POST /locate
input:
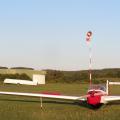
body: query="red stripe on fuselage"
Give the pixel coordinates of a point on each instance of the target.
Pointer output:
(51, 93)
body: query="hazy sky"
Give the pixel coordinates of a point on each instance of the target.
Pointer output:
(50, 34)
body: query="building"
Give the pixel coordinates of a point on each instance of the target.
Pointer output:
(37, 76)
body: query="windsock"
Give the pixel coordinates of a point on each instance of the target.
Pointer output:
(88, 36)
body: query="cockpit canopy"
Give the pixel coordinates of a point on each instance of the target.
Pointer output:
(97, 87)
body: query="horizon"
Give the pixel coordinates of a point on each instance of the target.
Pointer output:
(5, 67)
(52, 34)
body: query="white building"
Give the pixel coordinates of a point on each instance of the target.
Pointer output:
(37, 79)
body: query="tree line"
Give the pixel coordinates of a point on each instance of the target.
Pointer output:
(98, 76)
(54, 76)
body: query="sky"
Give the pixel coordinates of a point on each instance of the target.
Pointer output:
(50, 34)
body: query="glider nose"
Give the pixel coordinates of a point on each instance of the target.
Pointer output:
(93, 99)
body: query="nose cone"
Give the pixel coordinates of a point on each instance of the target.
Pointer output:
(94, 100)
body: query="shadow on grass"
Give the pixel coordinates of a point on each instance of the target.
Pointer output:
(114, 103)
(81, 104)
(85, 104)
(36, 101)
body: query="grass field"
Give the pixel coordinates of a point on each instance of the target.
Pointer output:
(28, 108)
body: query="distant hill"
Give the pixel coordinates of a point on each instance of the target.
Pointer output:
(1, 67)
(22, 76)
(22, 68)
(98, 76)
(28, 72)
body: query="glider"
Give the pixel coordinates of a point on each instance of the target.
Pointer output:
(96, 95)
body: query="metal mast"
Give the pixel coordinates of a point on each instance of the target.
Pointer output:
(88, 39)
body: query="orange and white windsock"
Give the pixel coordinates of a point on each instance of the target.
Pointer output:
(88, 36)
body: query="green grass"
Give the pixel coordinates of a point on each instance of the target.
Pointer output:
(28, 108)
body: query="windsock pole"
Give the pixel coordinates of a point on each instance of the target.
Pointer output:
(88, 38)
(90, 64)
